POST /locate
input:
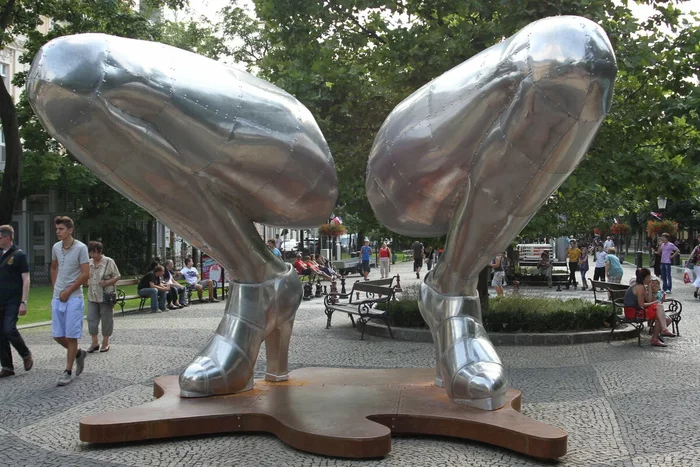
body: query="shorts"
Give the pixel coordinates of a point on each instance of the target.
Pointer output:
(365, 265)
(417, 263)
(499, 279)
(67, 317)
(647, 313)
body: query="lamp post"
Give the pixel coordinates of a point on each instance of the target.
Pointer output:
(661, 202)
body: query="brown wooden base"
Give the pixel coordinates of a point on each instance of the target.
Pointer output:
(330, 411)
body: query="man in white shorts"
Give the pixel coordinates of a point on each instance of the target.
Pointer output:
(70, 269)
(191, 275)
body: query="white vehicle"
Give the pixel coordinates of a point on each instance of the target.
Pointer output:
(289, 245)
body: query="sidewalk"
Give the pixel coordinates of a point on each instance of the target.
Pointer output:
(603, 395)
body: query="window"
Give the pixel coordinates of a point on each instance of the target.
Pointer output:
(5, 74)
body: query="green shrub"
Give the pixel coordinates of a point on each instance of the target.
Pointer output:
(518, 314)
(535, 314)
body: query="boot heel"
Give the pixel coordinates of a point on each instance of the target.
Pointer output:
(277, 352)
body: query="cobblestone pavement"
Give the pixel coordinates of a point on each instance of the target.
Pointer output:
(621, 405)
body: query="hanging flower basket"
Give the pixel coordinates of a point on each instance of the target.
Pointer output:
(620, 229)
(658, 227)
(332, 230)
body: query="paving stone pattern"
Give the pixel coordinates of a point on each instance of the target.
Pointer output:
(621, 405)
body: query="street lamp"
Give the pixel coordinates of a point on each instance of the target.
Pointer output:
(661, 201)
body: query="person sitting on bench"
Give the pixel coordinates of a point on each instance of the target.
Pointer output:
(314, 267)
(545, 267)
(325, 268)
(639, 303)
(150, 286)
(191, 275)
(176, 290)
(301, 267)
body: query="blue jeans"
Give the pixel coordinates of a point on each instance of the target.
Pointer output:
(666, 276)
(157, 297)
(10, 335)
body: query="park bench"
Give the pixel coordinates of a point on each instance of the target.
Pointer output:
(122, 297)
(361, 302)
(601, 291)
(673, 309)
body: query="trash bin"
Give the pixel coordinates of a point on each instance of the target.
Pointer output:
(639, 259)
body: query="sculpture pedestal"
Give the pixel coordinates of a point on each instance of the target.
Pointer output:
(330, 411)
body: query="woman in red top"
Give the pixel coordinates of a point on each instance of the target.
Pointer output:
(384, 261)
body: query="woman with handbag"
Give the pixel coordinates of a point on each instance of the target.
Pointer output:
(102, 296)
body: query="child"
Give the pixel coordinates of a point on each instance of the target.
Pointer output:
(660, 296)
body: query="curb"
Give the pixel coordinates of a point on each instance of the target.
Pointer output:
(502, 338)
(48, 323)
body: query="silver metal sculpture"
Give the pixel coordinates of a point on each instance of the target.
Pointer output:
(474, 154)
(208, 150)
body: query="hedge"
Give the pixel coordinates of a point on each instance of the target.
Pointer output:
(519, 314)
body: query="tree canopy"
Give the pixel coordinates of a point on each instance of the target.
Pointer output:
(352, 61)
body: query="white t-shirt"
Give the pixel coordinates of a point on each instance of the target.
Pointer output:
(608, 244)
(600, 259)
(190, 275)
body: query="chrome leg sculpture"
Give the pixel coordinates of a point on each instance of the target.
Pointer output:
(208, 150)
(473, 154)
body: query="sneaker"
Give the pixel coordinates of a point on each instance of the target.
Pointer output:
(668, 292)
(65, 379)
(213, 300)
(28, 362)
(5, 373)
(80, 362)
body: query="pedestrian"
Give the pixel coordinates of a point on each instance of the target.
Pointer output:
(384, 260)
(418, 252)
(150, 286)
(366, 253)
(274, 249)
(102, 296)
(599, 271)
(429, 257)
(613, 268)
(694, 263)
(583, 267)
(573, 253)
(177, 291)
(609, 243)
(70, 269)
(14, 293)
(278, 242)
(667, 250)
(499, 275)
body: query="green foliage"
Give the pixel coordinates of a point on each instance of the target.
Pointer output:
(526, 314)
(519, 314)
(352, 61)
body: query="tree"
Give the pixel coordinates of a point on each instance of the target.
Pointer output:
(352, 61)
(20, 18)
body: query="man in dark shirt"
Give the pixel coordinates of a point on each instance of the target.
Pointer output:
(14, 291)
(417, 248)
(150, 287)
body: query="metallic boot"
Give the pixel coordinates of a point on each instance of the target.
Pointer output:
(467, 365)
(254, 313)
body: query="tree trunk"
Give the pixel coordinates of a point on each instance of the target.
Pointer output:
(149, 241)
(483, 289)
(9, 194)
